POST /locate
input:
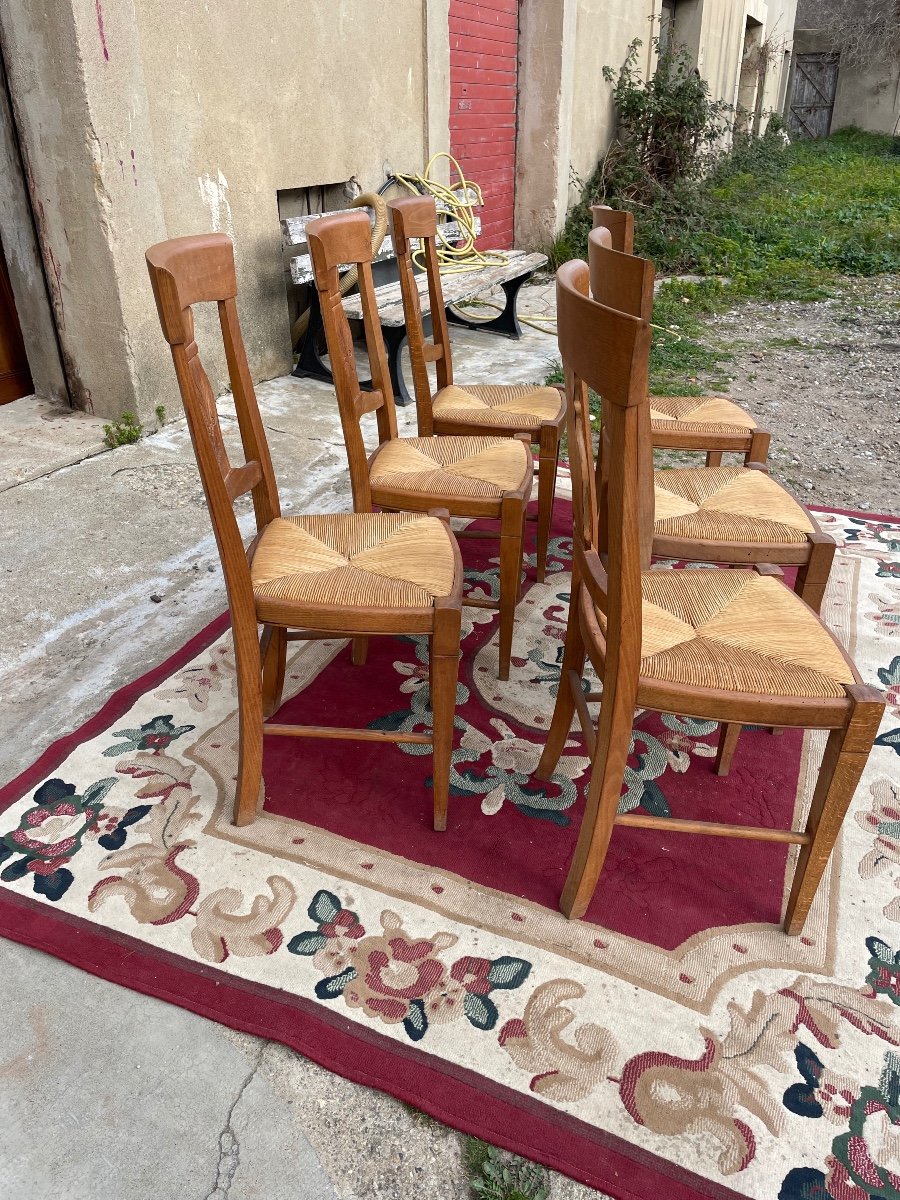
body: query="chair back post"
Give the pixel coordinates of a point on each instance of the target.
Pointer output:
(345, 239)
(608, 351)
(619, 223)
(416, 217)
(194, 270)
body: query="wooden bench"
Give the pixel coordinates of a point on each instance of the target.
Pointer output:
(517, 268)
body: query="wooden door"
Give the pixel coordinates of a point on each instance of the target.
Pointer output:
(812, 97)
(15, 376)
(484, 65)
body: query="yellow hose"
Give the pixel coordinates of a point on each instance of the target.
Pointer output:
(459, 201)
(366, 200)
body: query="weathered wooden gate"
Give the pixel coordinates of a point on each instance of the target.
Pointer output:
(812, 98)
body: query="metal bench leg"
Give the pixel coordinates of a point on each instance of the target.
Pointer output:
(507, 323)
(310, 363)
(394, 341)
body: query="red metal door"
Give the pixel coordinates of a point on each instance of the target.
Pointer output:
(484, 50)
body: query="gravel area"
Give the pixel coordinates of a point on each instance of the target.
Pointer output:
(825, 379)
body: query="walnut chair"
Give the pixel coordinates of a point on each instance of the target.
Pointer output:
(734, 646)
(500, 409)
(708, 423)
(714, 514)
(487, 477)
(305, 577)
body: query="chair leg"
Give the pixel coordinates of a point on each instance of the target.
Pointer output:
(511, 546)
(812, 577)
(548, 462)
(759, 447)
(273, 668)
(443, 671)
(564, 709)
(250, 735)
(601, 805)
(846, 754)
(714, 458)
(728, 740)
(359, 651)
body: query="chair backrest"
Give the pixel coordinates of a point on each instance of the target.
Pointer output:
(416, 217)
(619, 223)
(620, 280)
(608, 351)
(346, 239)
(195, 270)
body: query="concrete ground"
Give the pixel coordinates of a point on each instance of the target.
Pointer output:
(108, 565)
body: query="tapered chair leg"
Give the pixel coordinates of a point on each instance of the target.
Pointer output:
(714, 458)
(564, 709)
(443, 669)
(273, 667)
(812, 577)
(728, 740)
(548, 463)
(601, 806)
(511, 545)
(359, 651)
(250, 738)
(846, 754)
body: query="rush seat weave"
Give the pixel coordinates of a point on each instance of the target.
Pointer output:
(516, 406)
(736, 631)
(352, 560)
(477, 467)
(727, 504)
(699, 414)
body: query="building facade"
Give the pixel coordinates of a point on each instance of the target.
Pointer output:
(124, 122)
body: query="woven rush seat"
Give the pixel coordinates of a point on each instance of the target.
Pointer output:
(727, 504)
(515, 406)
(736, 631)
(352, 560)
(699, 414)
(474, 467)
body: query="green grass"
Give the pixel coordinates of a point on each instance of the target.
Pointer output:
(770, 222)
(494, 1175)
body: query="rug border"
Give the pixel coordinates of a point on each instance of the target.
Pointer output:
(454, 1095)
(852, 512)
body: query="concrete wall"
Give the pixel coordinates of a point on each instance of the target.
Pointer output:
(157, 118)
(867, 96)
(566, 116)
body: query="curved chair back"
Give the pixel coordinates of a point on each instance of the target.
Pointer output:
(619, 223)
(415, 218)
(608, 351)
(195, 270)
(620, 280)
(346, 239)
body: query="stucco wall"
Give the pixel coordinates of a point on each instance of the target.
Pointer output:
(867, 96)
(159, 118)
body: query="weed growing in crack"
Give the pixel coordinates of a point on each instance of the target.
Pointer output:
(122, 432)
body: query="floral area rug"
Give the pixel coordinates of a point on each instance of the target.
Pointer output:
(675, 1043)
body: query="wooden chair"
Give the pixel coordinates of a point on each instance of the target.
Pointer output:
(733, 646)
(714, 514)
(709, 423)
(488, 477)
(340, 575)
(504, 410)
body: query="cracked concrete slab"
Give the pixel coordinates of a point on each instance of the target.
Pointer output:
(107, 1093)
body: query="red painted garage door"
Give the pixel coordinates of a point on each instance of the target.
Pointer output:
(484, 43)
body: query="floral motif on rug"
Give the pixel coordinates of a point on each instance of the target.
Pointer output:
(676, 1023)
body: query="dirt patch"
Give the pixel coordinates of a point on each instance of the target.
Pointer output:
(824, 377)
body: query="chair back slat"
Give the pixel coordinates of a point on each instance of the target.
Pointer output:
(620, 280)
(333, 242)
(619, 223)
(416, 217)
(608, 351)
(200, 270)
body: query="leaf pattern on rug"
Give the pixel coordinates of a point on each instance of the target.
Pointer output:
(220, 929)
(677, 1096)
